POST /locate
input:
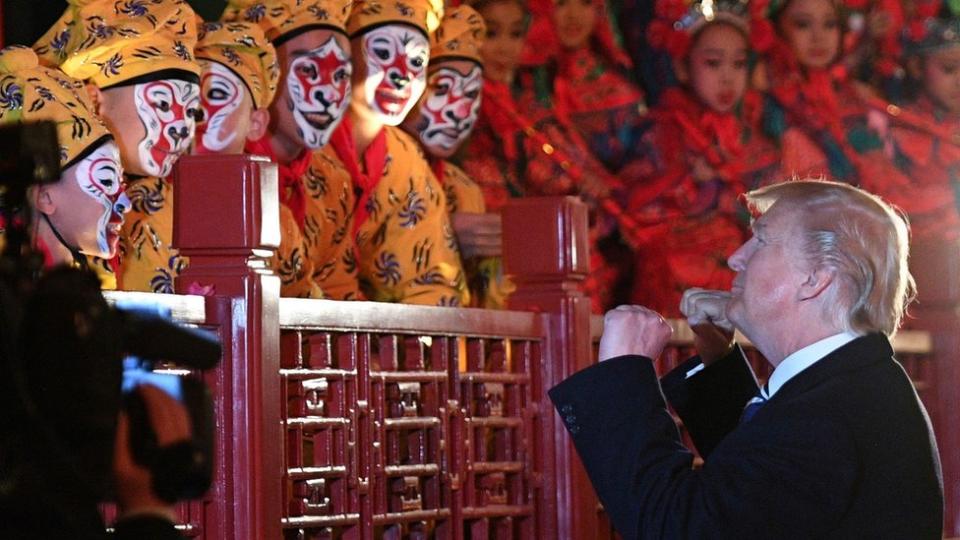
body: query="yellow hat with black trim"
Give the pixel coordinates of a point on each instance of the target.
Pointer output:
(459, 37)
(242, 48)
(113, 42)
(424, 15)
(30, 92)
(282, 20)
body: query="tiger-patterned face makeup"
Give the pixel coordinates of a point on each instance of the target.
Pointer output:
(450, 106)
(222, 95)
(318, 85)
(396, 59)
(100, 177)
(168, 110)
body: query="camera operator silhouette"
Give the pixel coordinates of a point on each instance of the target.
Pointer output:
(64, 442)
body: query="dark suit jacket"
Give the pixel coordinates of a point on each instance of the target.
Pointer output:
(842, 450)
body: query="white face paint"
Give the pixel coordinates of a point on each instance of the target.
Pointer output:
(318, 83)
(100, 176)
(450, 109)
(396, 58)
(221, 93)
(168, 110)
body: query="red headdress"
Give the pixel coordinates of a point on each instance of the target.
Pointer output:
(543, 44)
(677, 21)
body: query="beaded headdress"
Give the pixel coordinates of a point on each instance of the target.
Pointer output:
(677, 21)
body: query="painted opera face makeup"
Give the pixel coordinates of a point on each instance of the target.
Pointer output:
(450, 107)
(318, 84)
(221, 95)
(396, 58)
(168, 110)
(100, 177)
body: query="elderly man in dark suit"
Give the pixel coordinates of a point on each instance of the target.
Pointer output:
(835, 445)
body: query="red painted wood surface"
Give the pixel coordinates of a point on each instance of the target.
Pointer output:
(936, 267)
(226, 220)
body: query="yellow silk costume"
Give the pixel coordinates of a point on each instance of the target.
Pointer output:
(147, 260)
(406, 250)
(112, 44)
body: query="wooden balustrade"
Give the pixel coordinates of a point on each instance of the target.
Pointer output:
(366, 420)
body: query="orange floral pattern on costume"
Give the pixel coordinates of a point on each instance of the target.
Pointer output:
(148, 261)
(404, 251)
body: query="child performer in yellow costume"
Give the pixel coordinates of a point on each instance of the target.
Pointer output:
(407, 249)
(316, 256)
(442, 122)
(81, 214)
(138, 60)
(237, 83)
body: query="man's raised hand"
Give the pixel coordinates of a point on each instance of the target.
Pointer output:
(633, 330)
(706, 313)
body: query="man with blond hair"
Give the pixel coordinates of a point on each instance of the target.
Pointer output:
(836, 444)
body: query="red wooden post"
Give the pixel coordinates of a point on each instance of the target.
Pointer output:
(545, 253)
(226, 221)
(936, 267)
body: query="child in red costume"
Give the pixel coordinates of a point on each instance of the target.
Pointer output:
(521, 149)
(704, 149)
(582, 75)
(922, 139)
(811, 107)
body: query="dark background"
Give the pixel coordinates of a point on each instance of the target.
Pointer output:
(24, 21)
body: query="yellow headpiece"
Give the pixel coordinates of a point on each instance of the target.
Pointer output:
(281, 20)
(242, 48)
(30, 92)
(111, 42)
(459, 37)
(368, 14)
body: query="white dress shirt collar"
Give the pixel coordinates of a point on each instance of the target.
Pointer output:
(802, 359)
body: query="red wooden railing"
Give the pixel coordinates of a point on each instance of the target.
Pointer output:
(367, 420)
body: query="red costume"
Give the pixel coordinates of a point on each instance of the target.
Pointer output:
(699, 162)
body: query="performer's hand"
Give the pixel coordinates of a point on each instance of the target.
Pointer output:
(706, 313)
(633, 330)
(479, 235)
(171, 423)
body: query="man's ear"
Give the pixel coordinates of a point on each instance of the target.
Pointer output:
(96, 96)
(43, 200)
(818, 281)
(259, 121)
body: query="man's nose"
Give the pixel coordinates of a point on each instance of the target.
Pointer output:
(738, 260)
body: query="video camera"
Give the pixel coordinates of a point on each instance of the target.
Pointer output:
(64, 352)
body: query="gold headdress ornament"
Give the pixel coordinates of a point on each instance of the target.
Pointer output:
(459, 37)
(111, 42)
(424, 15)
(677, 21)
(282, 20)
(30, 92)
(242, 48)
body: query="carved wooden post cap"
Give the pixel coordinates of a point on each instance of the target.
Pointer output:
(226, 203)
(545, 239)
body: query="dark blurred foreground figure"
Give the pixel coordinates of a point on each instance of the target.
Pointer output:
(64, 445)
(835, 445)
